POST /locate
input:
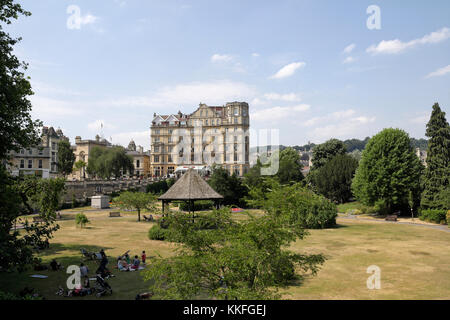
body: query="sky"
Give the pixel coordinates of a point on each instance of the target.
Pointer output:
(313, 70)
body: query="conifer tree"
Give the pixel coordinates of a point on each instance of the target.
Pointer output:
(437, 173)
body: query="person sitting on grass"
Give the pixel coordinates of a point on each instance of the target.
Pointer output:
(122, 265)
(84, 270)
(55, 266)
(136, 263)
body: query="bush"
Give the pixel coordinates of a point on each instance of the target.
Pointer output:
(157, 233)
(354, 211)
(448, 218)
(81, 219)
(300, 205)
(198, 205)
(434, 215)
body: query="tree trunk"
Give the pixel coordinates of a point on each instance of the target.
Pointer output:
(139, 214)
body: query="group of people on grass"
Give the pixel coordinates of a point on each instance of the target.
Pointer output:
(124, 262)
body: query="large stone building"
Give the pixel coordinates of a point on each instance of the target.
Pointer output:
(141, 160)
(41, 160)
(81, 149)
(210, 135)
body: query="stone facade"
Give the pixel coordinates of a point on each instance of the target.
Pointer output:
(141, 160)
(81, 149)
(210, 135)
(41, 160)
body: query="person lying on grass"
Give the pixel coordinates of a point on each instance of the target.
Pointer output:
(122, 265)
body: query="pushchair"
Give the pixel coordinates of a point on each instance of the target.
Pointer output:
(102, 287)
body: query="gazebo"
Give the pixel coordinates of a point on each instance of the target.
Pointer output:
(190, 187)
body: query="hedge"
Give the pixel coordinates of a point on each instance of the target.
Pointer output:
(433, 215)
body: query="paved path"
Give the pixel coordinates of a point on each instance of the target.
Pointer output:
(439, 227)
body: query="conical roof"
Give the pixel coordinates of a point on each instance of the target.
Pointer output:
(190, 187)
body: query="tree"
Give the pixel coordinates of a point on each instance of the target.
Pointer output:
(80, 165)
(437, 172)
(238, 260)
(229, 186)
(388, 171)
(17, 129)
(66, 158)
(135, 200)
(108, 162)
(324, 152)
(334, 179)
(290, 168)
(81, 219)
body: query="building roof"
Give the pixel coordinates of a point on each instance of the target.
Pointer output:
(190, 187)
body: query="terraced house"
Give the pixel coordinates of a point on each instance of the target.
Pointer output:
(210, 135)
(40, 160)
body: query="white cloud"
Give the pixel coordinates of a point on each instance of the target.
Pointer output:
(188, 94)
(423, 118)
(255, 54)
(290, 97)
(439, 72)
(349, 59)
(221, 57)
(336, 116)
(288, 70)
(48, 109)
(396, 46)
(278, 113)
(348, 49)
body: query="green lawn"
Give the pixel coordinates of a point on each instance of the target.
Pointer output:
(414, 260)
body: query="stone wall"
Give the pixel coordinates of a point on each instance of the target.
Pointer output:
(86, 189)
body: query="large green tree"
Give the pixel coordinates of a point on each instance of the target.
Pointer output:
(66, 158)
(334, 179)
(17, 130)
(109, 162)
(388, 171)
(135, 200)
(437, 172)
(229, 186)
(324, 152)
(290, 168)
(238, 260)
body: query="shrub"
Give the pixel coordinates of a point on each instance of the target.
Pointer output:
(198, 205)
(300, 205)
(433, 215)
(81, 219)
(448, 218)
(354, 211)
(157, 233)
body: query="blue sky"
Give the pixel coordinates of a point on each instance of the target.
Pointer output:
(311, 69)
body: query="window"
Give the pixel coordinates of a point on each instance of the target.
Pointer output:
(22, 151)
(244, 112)
(236, 111)
(235, 120)
(170, 170)
(54, 156)
(169, 158)
(138, 163)
(236, 170)
(170, 131)
(30, 164)
(40, 164)
(157, 131)
(30, 151)
(22, 163)
(53, 145)
(156, 149)
(156, 158)
(170, 139)
(41, 152)
(206, 122)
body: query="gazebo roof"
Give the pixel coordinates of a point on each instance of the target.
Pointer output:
(190, 187)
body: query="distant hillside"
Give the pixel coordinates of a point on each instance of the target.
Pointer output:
(351, 144)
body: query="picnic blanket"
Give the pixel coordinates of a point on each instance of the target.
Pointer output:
(39, 276)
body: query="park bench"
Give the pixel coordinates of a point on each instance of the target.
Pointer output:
(392, 217)
(114, 214)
